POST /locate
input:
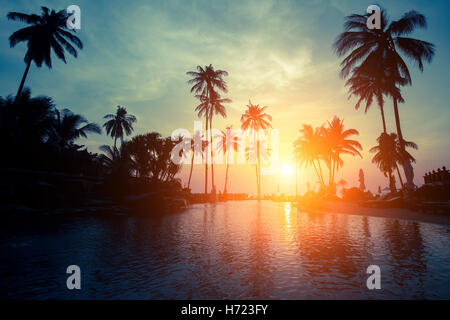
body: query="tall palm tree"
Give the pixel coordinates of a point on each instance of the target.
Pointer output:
(121, 122)
(204, 80)
(198, 149)
(216, 107)
(337, 138)
(46, 32)
(67, 127)
(230, 140)
(255, 119)
(379, 50)
(368, 87)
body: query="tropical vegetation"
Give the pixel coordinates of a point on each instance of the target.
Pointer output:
(376, 64)
(325, 145)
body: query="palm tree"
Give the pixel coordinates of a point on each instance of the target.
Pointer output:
(66, 128)
(368, 87)
(117, 162)
(378, 51)
(337, 139)
(119, 123)
(384, 156)
(402, 155)
(139, 155)
(229, 140)
(216, 107)
(204, 80)
(150, 156)
(255, 119)
(309, 148)
(44, 33)
(24, 127)
(388, 153)
(26, 120)
(196, 149)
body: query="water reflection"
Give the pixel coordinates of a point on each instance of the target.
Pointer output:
(230, 250)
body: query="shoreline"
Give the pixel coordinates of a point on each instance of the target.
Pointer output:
(394, 213)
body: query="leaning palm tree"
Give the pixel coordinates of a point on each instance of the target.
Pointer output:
(46, 32)
(119, 124)
(255, 119)
(402, 155)
(378, 51)
(67, 127)
(204, 80)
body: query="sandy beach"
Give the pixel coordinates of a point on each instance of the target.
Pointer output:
(395, 213)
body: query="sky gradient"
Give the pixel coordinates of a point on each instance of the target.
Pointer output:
(278, 54)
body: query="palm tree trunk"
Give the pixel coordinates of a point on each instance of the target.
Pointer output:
(212, 151)
(19, 92)
(318, 175)
(392, 182)
(115, 141)
(206, 158)
(190, 173)
(406, 163)
(334, 169)
(321, 175)
(397, 124)
(399, 175)
(329, 174)
(259, 177)
(226, 173)
(257, 180)
(382, 118)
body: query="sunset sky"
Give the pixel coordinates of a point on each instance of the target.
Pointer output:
(278, 54)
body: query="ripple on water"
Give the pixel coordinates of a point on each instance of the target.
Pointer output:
(233, 250)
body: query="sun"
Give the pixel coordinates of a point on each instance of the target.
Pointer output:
(287, 170)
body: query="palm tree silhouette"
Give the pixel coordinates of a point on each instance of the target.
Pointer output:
(229, 140)
(26, 120)
(197, 149)
(255, 119)
(204, 81)
(117, 162)
(378, 52)
(66, 128)
(25, 127)
(150, 156)
(121, 122)
(368, 87)
(326, 143)
(217, 107)
(309, 147)
(388, 153)
(46, 32)
(337, 140)
(139, 155)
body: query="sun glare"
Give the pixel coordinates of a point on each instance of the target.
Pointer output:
(286, 170)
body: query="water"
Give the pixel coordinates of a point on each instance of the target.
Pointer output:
(234, 250)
